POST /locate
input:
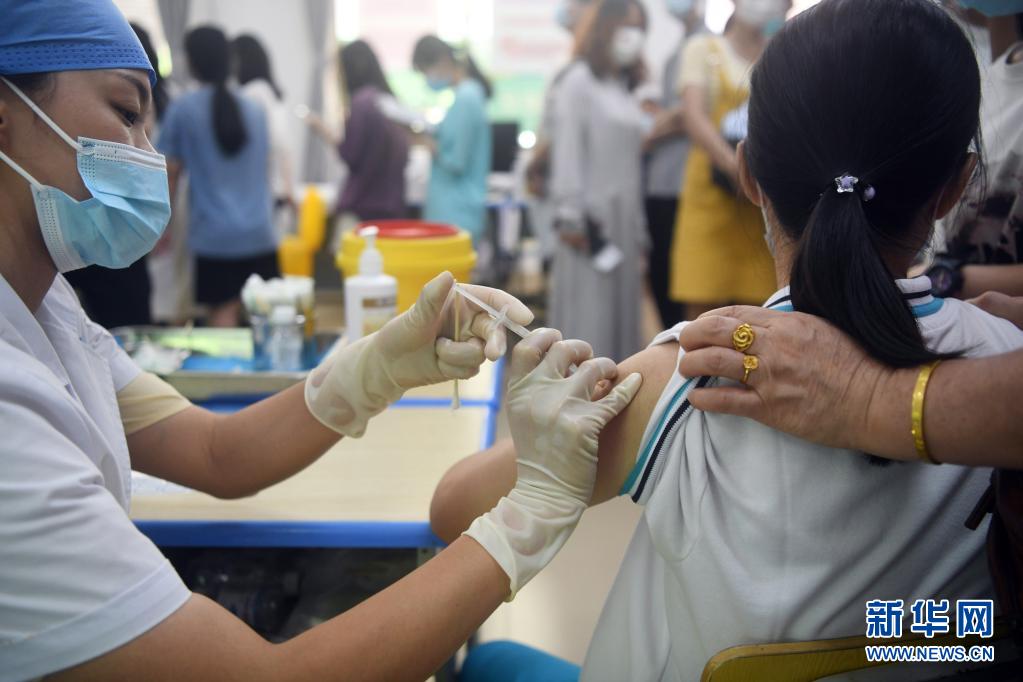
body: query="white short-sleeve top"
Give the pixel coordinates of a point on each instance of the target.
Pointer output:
(77, 579)
(752, 536)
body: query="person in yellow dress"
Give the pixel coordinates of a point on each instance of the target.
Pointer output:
(719, 255)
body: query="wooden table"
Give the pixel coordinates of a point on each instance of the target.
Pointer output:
(369, 492)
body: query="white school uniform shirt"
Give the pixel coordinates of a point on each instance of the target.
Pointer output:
(751, 536)
(77, 579)
(276, 113)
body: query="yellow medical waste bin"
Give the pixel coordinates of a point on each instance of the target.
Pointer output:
(414, 253)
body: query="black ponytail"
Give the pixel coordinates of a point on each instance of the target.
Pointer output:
(209, 56)
(475, 73)
(228, 125)
(887, 91)
(839, 273)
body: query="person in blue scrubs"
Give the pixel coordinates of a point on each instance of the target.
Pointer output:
(461, 146)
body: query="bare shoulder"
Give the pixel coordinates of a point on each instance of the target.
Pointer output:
(622, 438)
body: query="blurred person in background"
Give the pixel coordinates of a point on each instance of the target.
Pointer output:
(375, 149)
(596, 183)
(461, 146)
(719, 254)
(667, 149)
(221, 140)
(255, 78)
(169, 263)
(541, 214)
(120, 297)
(983, 246)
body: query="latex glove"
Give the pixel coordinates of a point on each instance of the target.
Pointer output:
(360, 380)
(555, 426)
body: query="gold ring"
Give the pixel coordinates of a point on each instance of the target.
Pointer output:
(743, 337)
(749, 363)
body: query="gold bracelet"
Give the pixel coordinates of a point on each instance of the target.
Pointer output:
(918, 412)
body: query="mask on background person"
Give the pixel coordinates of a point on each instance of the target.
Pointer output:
(627, 45)
(565, 16)
(438, 83)
(768, 235)
(773, 26)
(994, 8)
(128, 211)
(679, 8)
(761, 13)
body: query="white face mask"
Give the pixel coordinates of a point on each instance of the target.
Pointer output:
(760, 12)
(627, 45)
(768, 235)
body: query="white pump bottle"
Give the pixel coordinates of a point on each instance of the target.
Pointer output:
(371, 297)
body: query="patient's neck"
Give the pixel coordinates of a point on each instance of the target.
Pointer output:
(784, 253)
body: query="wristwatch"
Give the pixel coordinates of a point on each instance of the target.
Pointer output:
(946, 275)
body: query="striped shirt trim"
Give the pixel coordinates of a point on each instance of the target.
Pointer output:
(921, 303)
(637, 485)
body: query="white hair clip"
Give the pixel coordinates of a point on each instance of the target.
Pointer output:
(846, 184)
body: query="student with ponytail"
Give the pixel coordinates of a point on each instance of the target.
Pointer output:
(862, 118)
(221, 140)
(457, 193)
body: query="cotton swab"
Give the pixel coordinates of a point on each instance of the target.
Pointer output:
(456, 401)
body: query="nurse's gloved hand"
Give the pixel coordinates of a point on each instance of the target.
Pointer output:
(555, 426)
(416, 348)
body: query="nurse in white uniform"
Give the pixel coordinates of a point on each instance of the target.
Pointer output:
(83, 594)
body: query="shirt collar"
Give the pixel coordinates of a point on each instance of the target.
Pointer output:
(22, 329)
(916, 292)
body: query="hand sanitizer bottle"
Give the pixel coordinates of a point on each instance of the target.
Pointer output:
(371, 297)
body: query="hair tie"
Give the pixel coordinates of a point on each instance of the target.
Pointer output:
(847, 184)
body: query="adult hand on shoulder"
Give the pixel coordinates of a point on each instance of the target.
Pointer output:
(555, 422)
(813, 381)
(416, 348)
(1000, 305)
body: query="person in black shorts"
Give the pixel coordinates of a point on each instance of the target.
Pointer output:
(222, 141)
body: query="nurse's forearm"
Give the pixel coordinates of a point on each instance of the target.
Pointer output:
(972, 413)
(267, 442)
(405, 632)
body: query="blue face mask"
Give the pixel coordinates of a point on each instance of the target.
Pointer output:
(680, 8)
(563, 15)
(437, 84)
(994, 8)
(773, 26)
(128, 211)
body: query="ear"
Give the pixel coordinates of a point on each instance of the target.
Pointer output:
(746, 180)
(953, 190)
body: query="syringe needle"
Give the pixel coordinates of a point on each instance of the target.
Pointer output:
(513, 327)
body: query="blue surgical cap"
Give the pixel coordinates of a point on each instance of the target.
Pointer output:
(42, 36)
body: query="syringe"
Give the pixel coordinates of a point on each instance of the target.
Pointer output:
(500, 315)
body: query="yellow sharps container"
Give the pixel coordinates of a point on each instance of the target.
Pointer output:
(414, 253)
